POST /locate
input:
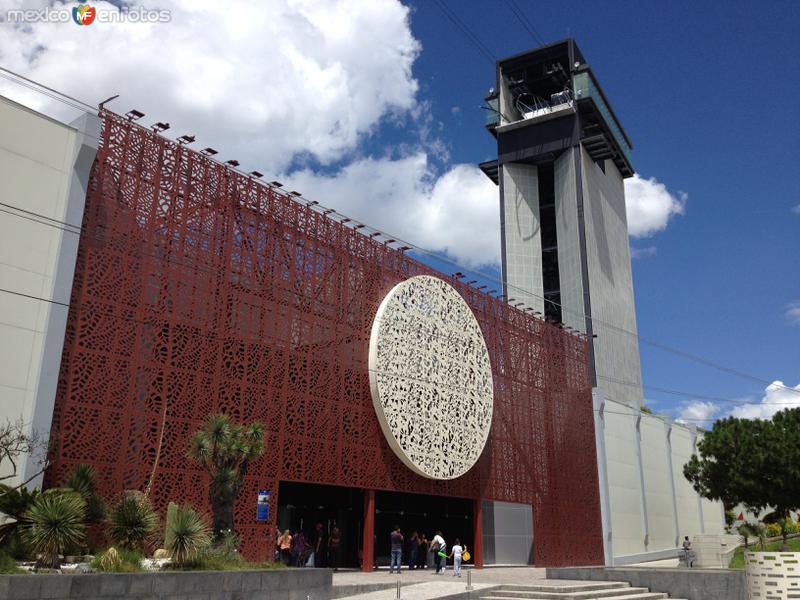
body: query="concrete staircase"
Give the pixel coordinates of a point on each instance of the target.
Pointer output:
(606, 590)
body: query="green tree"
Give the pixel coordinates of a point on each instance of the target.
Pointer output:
(225, 450)
(751, 462)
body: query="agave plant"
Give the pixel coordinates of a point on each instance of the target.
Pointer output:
(132, 521)
(186, 534)
(55, 525)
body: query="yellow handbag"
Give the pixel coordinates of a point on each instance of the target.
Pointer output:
(466, 555)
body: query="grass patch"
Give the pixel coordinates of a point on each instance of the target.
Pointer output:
(8, 565)
(737, 561)
(211, 561)
(126, 561)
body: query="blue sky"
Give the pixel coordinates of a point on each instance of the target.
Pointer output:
(707, 94)
(372, 108)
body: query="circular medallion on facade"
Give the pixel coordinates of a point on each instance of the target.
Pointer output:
(431, 378)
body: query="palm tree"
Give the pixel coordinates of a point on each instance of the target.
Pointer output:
(225, 450)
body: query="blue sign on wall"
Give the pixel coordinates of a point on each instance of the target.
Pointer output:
(262, 510)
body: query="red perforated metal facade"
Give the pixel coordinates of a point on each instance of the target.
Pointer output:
(199, 289)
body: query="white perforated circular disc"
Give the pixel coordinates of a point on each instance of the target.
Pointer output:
(431, 378)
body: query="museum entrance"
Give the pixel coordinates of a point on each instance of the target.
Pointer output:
(423, 514)
(301, 506)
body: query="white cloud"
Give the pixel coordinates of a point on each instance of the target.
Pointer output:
(776, 398)
(260, 82)
(698, 412)
(650, 205)
(793, 313)
(456, 212)
(643, 252)
(796, 209)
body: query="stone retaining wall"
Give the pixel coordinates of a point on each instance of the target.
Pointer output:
(692, 584)
(289, 584)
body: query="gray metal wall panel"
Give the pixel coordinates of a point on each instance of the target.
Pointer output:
(523, 243)
(611, 283)
(507, 533)
(569, 252)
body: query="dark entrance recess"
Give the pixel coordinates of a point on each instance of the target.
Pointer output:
(420, 513)
(303, 505)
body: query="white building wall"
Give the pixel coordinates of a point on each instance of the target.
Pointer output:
(44, 167)
(646, 520)
(657, 484)
(624, 486)
(610, 282)
(523, 236)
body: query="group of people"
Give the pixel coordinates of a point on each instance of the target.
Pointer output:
(419, 549)
(318, 550)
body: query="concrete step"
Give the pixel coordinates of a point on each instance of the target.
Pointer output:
(558, 593)
(548, 596)
(574, 586)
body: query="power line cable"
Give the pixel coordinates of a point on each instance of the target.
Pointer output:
(492, 278)
(261, 337)
(459, 23)
(523, 19)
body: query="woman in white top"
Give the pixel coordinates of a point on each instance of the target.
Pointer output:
(438, 545)
(455, 553)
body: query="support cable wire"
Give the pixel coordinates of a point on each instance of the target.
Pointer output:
(456, 20)
(81, 230)
(523, 19)
(377, 371)
(489, 277)
(262, 336)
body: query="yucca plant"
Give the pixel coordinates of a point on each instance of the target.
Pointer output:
(132, 521)
(186, 534)
(225, 450)
(14, 503)
(81, 481)
(55, 525)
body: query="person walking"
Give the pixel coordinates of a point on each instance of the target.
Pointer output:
(285, 545)
(412, 555)
(396, 542)
(298, 547)
(456, 552)
(422, 551)
(320, 548)
(439, 548)
(334, 545)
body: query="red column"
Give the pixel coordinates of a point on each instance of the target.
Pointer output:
(477, 528)
(368, 544)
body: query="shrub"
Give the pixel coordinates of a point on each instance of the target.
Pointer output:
(773, 530)
(8, 564)
(55, 525)
(118, 561)
(132, 521)
(186, 534)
